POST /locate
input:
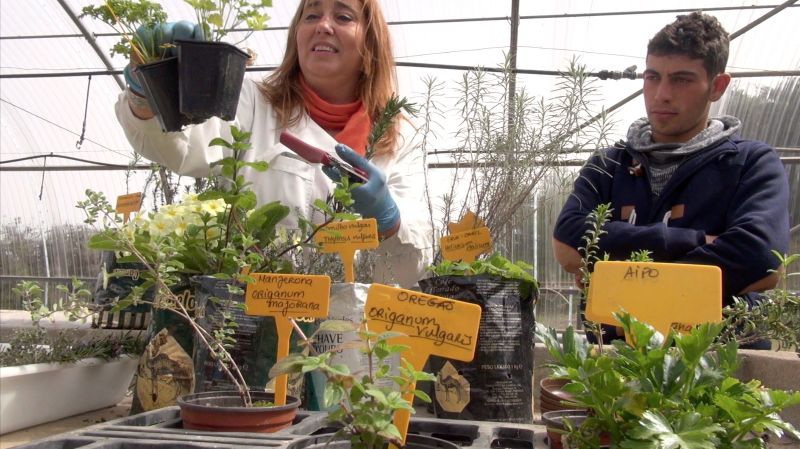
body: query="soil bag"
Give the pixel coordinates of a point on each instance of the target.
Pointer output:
(256, 338)
(496, 384)
(115, 282)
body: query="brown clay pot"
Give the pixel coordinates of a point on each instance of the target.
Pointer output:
(554, 422)
(223, 411)
(554, 388)
(552, 395)
(549, 405)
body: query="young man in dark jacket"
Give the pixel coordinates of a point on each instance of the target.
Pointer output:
(685, 186)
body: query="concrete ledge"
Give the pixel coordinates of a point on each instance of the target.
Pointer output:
(776, 370)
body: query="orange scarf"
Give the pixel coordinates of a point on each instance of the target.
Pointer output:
(350, 121)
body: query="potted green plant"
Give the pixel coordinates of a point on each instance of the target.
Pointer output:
(657, 391)
(146, 42)
(211, 72)
(508, 142)
(126, 17)
(48, 376)
(361, 404)
(220, 234)
(776, 317)
(495, 385)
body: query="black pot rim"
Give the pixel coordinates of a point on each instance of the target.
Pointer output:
(187, 401)
(410, 438)
(196, 43)
(155, 63)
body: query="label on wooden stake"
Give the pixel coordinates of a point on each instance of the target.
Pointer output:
(351, 235)
(288, 295)
(434, 325)
(467, 245)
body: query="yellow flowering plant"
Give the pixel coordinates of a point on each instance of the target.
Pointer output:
(218, 232)
(221, 232)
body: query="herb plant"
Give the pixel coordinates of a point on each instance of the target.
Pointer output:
(364, 402)
(673, 392)
(495, 265)
(125, 17)
(394, 106)
(36, 345)
(221, 232)
(775, 317)
(219, 17)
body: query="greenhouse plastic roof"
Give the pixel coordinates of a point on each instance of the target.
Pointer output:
(44, 59)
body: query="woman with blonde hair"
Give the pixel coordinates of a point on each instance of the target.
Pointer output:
(336, 76)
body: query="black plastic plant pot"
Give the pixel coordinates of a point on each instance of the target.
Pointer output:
(160, 82)
(329, 441)
(211, 76)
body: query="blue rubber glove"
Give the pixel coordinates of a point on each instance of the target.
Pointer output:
(154, 38)
(371, 200)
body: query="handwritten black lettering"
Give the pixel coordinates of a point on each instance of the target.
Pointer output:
(638, 272)
(281, 281)
(442, 336)
(681, 327)
(394, 318)
(423, 300)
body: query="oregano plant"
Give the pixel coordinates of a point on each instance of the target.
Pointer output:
(362, 404)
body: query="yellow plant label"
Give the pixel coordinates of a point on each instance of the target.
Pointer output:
(345, 237)
(468, 222)
(664, 295)
(466, 245)
(352, 235)
(433, 325)
(126, 204)
(288, 295)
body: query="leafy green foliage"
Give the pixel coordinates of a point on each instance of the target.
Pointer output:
(495, 265)
(125, 17)
(673, 392)
(218, 17)
(589, 253)
(394, 106)
(340, 205)
(641, 256)
(220, 232)
(36, 345)
(74, 304)
(776, 317)
(365, 403)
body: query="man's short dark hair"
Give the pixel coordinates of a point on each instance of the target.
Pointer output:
(698, 36)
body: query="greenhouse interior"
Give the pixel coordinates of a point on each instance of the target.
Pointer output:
(407, 223)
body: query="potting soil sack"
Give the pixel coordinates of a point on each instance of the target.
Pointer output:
(165, 326)
(165, 373)
(115, 282)
(256, 339)
(346, 304)
(496, 384)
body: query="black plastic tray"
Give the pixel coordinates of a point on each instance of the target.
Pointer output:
(161, 429)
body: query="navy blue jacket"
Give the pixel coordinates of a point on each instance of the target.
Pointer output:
(737, 190)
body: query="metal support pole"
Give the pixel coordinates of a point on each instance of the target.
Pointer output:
(512, 64)
(733, 36)
(91, 40)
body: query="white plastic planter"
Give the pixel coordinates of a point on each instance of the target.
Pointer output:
(44, 392)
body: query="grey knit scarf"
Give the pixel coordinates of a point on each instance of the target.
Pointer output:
(662, 159)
